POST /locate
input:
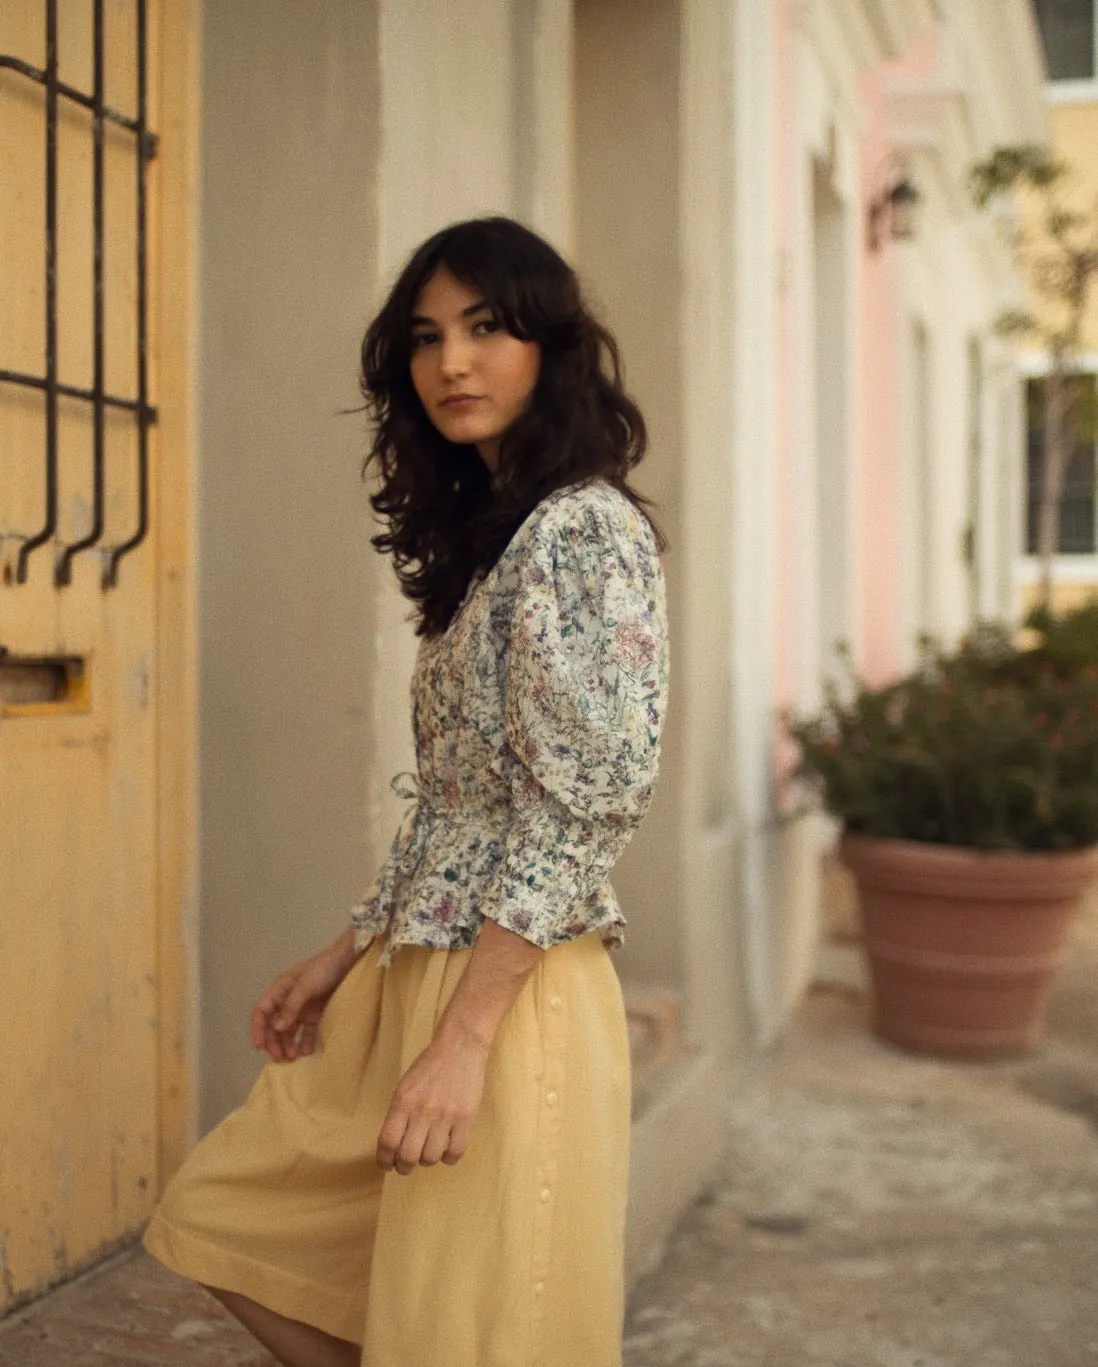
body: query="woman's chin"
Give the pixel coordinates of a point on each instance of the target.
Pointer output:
(467, 433)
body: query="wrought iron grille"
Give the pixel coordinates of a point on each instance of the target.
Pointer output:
(145, 145)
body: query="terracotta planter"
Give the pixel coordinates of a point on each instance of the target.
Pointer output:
(963, 945)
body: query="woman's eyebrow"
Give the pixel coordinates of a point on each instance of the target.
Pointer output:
(421, 320)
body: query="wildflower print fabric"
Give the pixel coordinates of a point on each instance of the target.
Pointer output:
(537, 718)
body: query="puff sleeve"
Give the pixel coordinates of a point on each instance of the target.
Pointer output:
(586, 690)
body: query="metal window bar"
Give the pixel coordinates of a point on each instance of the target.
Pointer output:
(64, 564)
(110, 576)
(146, 146)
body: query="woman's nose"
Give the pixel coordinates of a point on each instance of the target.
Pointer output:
(454, 357)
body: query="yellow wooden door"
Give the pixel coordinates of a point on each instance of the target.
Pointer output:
(92, 862)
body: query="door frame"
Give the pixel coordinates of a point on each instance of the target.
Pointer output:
(173, 298)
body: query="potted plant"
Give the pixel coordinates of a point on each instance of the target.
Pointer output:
(968, 793)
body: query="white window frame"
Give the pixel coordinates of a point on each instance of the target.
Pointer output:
(1072, 92)
(1067, 569)
(1076, 92)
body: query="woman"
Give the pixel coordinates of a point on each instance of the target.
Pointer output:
(431, 1171)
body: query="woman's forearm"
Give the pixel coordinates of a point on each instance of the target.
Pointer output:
(343, 949)
(497, 971)
(434, 1107)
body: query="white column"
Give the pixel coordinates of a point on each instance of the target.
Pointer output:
(752, 563)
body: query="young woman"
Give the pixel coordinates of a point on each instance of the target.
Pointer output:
(431, 1170)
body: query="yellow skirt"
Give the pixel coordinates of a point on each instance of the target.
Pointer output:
(511, 1257)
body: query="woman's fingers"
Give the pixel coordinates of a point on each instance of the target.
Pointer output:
(460, 1135)
(306, 1040)
(283, 1021)
(261, 1014)
(295, 1001)
(422, 1144)
(268, 1005)
(285, 1017)
(299, 1040)
(275, 1044)
(436, 1144)
(388, 1141)
(411, 1146)
(408, 1142)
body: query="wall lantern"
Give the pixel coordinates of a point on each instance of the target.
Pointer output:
(896, 201)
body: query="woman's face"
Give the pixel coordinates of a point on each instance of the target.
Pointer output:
(472, 376)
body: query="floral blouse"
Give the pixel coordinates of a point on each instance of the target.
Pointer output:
(537, 718)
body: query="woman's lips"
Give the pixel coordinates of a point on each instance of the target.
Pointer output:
(460, 401)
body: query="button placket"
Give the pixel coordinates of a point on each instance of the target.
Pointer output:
(551, 1086)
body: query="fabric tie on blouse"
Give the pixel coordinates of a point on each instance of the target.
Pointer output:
(417, 820)
(430, 827)
(412, 837)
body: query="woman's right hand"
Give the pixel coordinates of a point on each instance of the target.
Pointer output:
(286, 1019)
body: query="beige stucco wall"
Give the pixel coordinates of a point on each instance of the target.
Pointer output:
(287, 249)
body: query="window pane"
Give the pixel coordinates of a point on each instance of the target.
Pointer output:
(1067, 30)
(1078, 511)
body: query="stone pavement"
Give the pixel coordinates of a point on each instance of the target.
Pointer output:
(128, 1313)
(874, 1209)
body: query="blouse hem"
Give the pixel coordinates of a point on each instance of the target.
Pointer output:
(611, 932)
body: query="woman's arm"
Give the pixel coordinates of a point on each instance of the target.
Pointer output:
(435, 1105)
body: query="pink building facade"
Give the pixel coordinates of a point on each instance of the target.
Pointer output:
(893, 408)
(861, 315)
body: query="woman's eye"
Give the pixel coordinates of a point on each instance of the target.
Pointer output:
(487, 325)
(421, 339)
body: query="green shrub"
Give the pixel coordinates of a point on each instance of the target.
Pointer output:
(988, 746)
(1070, 641)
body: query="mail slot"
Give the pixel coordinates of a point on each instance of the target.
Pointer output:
(41, 685)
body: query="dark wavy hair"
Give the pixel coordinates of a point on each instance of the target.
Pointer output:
(447, 517)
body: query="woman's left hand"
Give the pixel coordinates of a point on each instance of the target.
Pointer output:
(434, 1107)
